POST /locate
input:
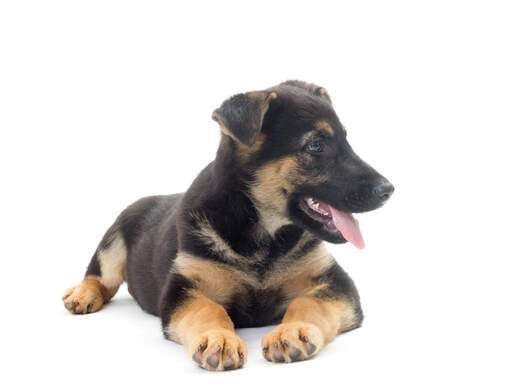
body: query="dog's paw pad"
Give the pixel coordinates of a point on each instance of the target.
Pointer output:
(294, 341)
(220, 350)
(84, 298)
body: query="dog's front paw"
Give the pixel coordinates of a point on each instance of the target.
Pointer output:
(292, 341)
(219, 350)
(84, 298)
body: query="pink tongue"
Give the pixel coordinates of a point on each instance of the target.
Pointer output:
(348, 226)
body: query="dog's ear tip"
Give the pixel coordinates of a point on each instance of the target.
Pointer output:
(217, 116)
(272, 96)
(321, 91)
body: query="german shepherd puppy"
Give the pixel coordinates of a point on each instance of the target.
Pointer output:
(243, 246)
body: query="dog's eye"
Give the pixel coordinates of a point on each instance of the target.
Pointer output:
(315, 146)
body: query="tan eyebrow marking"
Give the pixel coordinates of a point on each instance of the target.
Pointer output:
(325, 126)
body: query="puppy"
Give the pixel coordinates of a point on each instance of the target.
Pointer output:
(243, 246)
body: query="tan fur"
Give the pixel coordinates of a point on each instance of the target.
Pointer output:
(223, 128)
(245, 152)
(267, 191)
(297, 278)
(87, 297)
(309, 324)
(331, 316)
(219, 282)
(113, 263)
(323, 92)
(215, 281)
(94, 291)
(270, 98)
(206, 331)
(324, 126)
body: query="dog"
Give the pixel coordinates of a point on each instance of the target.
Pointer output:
(243, 246)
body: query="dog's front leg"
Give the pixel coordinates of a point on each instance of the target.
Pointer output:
(329, 307)
(207, 332)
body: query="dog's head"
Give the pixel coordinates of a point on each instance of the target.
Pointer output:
(302, 167)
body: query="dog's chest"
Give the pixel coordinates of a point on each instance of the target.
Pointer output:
(257, 307)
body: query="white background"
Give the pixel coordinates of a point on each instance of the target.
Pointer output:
(103, 102)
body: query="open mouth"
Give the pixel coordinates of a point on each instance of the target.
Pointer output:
(334, 220)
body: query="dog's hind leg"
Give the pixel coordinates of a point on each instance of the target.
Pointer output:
(104, 275)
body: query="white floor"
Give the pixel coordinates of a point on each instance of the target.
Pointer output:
(121, 347)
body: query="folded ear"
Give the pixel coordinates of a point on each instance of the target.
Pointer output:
(312, 88)
(241, 116)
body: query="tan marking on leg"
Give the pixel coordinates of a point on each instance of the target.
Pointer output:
(215, 281)
(331, 316)
(208, 334)
(113, 263)
(324, 126)
(309, 324)
(87, 297)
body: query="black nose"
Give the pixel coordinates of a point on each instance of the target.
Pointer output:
(383, 190)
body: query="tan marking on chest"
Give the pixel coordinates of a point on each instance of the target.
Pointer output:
(297, 278)
(220, 282)
(216, 281)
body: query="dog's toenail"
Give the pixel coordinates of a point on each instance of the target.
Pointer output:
(213, 360)
(78, 309)
(310, 348)
(229, 363)
(278, 356)
(294, 353)
(89, 308)
(197, 357)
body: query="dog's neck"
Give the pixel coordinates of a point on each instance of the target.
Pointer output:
(234, 174)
